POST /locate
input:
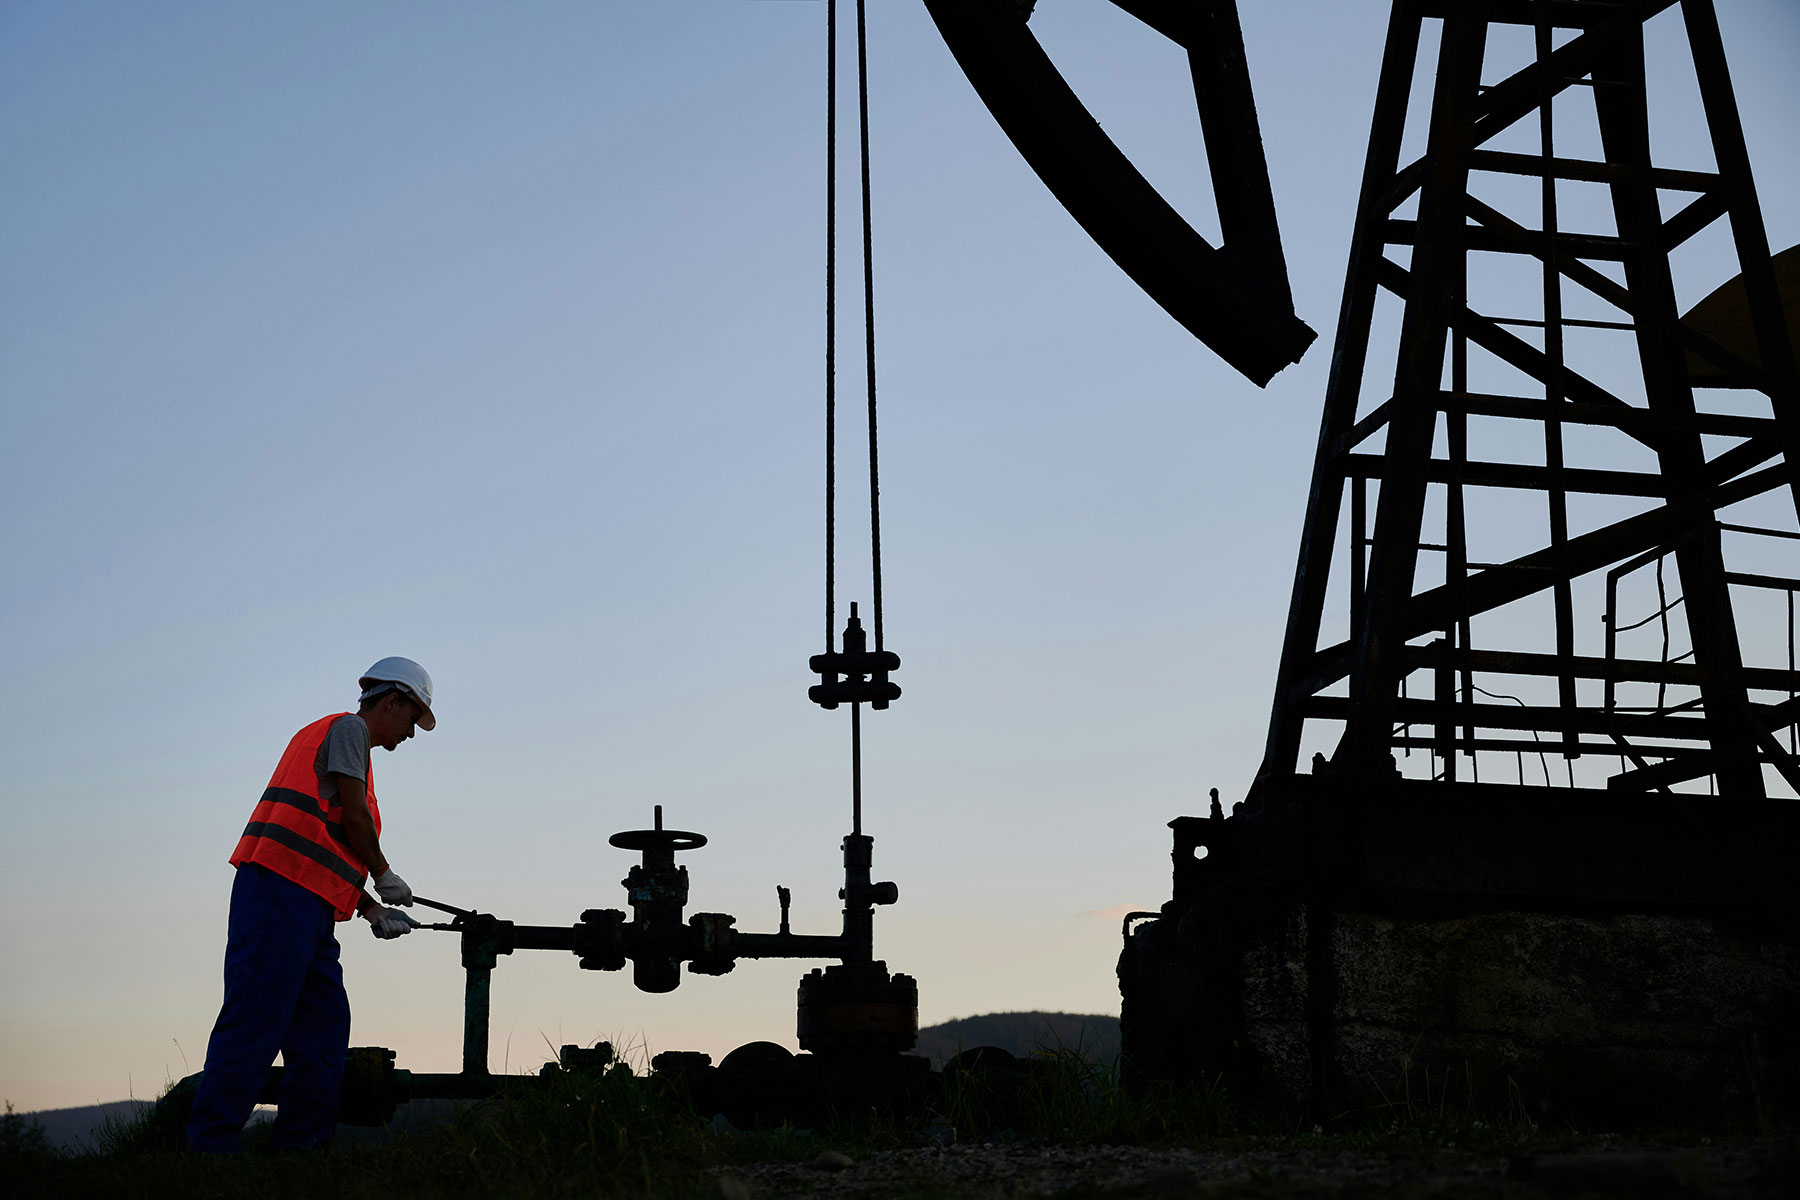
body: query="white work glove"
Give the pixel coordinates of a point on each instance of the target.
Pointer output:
(389, 922)
(392, 889)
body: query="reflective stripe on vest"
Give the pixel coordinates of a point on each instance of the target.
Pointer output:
(294, 834)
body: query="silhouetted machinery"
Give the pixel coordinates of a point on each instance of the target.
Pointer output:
(853, 1007)
(1380, 911)
(856, 1020)
(1570, 535)
(1611, 938)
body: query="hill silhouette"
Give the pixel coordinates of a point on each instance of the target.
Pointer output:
(1024, 1034)
(73, 1128)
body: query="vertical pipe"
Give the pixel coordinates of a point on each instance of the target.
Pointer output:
(831, 326)
(856, 769)
(475, 1020)
(862, 99)
(858, 942)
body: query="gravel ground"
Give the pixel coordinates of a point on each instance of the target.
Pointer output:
(1048, 1169)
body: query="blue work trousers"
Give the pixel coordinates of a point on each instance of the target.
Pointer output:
(284, 990)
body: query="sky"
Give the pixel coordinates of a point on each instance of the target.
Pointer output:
(492, 335)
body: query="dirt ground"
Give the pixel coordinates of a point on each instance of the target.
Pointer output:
(1044, 1169)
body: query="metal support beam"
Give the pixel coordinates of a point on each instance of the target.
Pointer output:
(1416, 452)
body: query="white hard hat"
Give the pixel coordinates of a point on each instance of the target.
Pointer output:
(411, 678)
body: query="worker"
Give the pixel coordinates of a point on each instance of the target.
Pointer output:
(313, 840)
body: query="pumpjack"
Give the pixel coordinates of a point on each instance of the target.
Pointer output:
(1400, 858)
(1521, 486)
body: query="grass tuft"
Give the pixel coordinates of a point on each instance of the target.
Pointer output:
(618, 1133)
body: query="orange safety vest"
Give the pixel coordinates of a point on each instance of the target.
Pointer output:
(292, 833)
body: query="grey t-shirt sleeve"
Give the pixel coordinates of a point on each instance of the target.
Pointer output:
(346, 749)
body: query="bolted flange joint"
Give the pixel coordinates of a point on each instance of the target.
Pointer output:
(858, 1008)
(600, 940)
(713, 953)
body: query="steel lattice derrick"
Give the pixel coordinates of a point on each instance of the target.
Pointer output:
(1466, 380)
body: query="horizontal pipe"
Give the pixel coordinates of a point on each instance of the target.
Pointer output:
(543, 937)
(421, 1085)
(460, 1086)
(742, 945)
(786, 945)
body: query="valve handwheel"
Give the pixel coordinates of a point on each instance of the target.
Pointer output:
(659, 838)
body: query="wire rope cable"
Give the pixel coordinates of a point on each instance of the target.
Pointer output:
(862, 98)
(855, 663)
(830, 325)
(868, 273)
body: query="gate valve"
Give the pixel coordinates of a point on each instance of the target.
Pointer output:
(658, 890)
(856, 674)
